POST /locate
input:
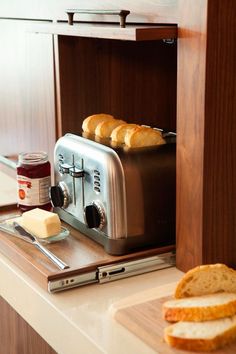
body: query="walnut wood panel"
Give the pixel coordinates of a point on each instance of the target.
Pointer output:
(206, 156)
(131, 33)
(162, 11)
(219, 190)
(27, 114)
(16, 336)
(131, 80)
(190, 130)
(77, 250)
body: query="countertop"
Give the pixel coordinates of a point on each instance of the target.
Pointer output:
(81, 320)
(82, 317)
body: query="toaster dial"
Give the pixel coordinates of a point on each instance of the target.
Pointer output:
(59, 195)
(94, 216)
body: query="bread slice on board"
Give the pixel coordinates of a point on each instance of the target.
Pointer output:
(200, 308)
(118, 134)
(143, 136)
(206, 279)
(201, 336)
(90, 123)
(104, 129)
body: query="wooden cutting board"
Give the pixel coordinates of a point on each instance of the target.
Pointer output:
(146, 322)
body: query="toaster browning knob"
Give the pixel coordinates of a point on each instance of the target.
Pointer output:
(59, 195)
(94, 216)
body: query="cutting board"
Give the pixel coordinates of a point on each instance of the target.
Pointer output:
(146, 322)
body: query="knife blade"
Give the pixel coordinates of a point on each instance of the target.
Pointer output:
(28, 237)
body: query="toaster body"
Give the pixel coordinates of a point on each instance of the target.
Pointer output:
(123, 199)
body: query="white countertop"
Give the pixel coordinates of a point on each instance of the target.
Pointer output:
(80, 320)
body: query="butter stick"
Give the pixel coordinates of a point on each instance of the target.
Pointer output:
(41, 223)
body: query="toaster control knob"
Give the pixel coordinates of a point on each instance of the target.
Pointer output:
(94, 216)
(59, 195)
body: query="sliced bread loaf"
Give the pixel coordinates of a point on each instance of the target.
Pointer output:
(119, 133)
(200, 308)
(143, 136)
(201, 336)
(104, 129)
(206, 279)
(90, 123)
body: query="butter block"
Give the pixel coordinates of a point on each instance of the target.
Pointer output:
(41, 223)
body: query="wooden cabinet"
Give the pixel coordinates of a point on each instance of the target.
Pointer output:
(17, 336)
(188, 87)
(27, 104)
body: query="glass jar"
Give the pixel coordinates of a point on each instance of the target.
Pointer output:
(33, 181)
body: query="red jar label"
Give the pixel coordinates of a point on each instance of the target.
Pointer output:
(33, 191)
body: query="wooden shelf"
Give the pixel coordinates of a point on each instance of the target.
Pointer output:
(130, 33)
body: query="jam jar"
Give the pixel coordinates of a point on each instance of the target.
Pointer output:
(33, 181)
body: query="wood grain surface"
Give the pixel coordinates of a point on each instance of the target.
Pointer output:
(78, 251)
(206, 125)
(130, 33)
(134, 81)
(146, 322)
(17, 336)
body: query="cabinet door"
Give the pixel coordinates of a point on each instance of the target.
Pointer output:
(27, 104)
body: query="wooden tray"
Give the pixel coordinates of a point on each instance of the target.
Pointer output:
(146, 322)
(83, 255)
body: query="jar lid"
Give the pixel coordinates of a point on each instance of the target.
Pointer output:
(33, 158)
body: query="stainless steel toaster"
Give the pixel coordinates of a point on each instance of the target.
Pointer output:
(122, 198)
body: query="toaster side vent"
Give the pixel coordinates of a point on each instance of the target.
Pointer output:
(96, 181)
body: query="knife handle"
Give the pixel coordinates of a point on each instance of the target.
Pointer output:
(52, 257)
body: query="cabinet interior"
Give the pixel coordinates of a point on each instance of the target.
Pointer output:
(134, 81)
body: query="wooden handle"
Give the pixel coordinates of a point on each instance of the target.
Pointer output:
(122, 13)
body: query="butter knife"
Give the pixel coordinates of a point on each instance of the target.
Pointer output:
(28, 237)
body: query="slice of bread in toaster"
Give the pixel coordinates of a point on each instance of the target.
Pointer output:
(200, 308)
(104, 129)
(206, 279)
(90, 123)
(143, 136)
(118, 134)
(201, 336)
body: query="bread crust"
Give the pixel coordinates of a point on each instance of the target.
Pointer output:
(90, 123)
(104, 129)
(118, 134)
(187, 285)
(199, 314)
(143, 136)
(200, 344)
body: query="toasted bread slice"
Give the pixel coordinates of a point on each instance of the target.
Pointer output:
(118, 134)
(105, 128)
(200, 308)
(206, 279)
(201, 336)
(90, 123)
(143, 136)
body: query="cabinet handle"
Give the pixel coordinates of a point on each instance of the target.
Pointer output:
(122, 13)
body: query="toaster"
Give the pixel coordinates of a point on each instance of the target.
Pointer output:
(122, 198)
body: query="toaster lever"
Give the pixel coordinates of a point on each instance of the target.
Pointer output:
(76, 172)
